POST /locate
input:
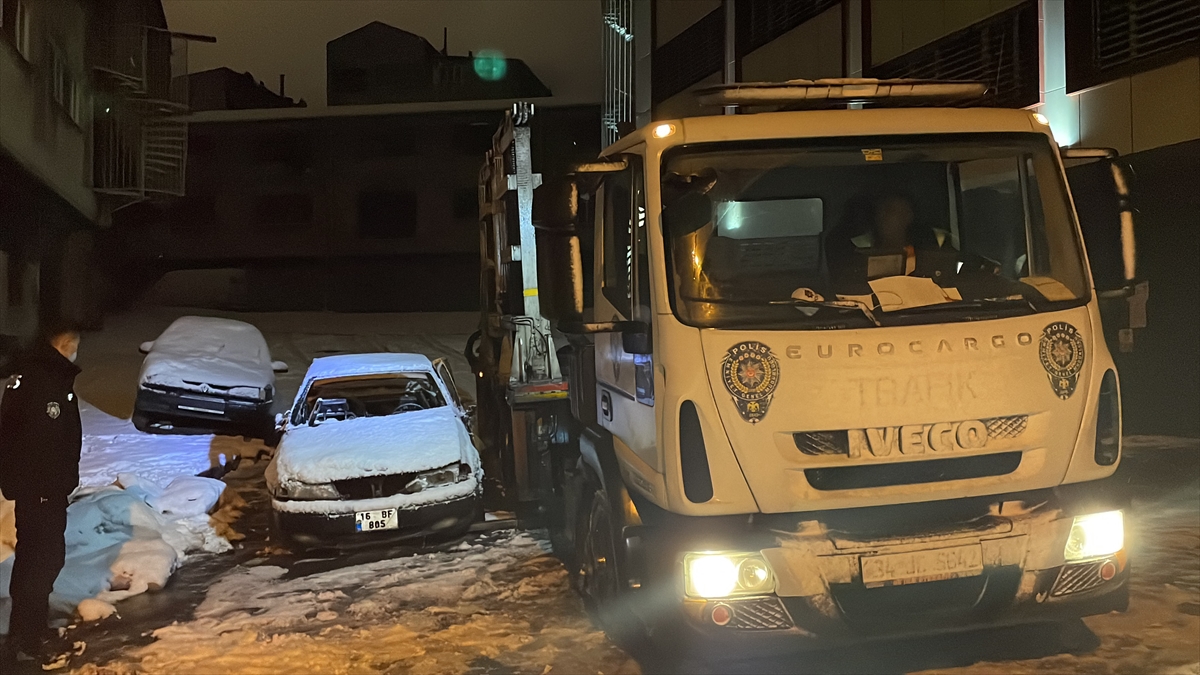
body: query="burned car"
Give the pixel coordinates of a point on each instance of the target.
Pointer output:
(208, 373)
(375, 447)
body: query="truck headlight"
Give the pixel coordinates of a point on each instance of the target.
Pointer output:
(722, 575)
(1095, 535)
(297, 490)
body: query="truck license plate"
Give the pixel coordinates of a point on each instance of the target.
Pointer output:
(895, 569)
(373, 521)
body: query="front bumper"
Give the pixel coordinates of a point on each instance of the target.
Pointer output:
(195, 408)
(852, 613)
(821, 600)
(337, 529)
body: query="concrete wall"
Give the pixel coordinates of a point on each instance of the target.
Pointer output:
(900, 26)
(811, 50)
(672, 17)
(34, 130)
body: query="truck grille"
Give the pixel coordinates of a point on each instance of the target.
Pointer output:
(1006, 427)
(1078, 578)
(913, 473)
(822, 443)
(758, 614)
(817, 443)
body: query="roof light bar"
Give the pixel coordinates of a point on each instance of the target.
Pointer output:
(838, 91)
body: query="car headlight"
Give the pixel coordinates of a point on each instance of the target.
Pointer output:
(437, 478)
(722, 575)
(1095, 535)
(297, 490)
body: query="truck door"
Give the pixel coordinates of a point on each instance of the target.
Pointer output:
(624, 382)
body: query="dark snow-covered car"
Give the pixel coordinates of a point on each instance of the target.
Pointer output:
(375, 447)
(210, 373)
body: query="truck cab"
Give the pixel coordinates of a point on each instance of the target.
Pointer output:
(843, 375)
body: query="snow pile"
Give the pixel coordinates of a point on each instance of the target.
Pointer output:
(123, 540)
(503, 602)
(112, 446)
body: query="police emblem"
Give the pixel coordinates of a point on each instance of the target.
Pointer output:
(53, 410)
(1061, 352)
(751, 374)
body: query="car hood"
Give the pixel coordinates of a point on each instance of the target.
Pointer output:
(374, 446)
(195, 370)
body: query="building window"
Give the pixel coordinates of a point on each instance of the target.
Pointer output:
(385, 214)
(466, 203)
(275, 213)
(17, 26)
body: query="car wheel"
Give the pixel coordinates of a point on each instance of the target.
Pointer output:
(142, 422)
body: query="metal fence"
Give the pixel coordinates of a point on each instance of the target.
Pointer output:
(619, 69)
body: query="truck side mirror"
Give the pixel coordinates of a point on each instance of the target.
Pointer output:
(560, 263)
(1101, 193)
(635, 338)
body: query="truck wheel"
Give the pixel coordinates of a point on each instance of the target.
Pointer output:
(599, 578)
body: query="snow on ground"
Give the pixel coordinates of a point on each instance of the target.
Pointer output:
(499, 604)
(112, 446)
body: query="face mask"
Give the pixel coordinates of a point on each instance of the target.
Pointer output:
(73, 356)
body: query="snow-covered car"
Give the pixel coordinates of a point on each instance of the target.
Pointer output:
(375, 447)
(210, 373)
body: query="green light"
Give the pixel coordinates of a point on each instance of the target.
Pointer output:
(490, 65)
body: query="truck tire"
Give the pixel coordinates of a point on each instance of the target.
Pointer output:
(599, 577)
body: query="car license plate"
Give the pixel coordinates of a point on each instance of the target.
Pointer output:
(895, 569)
(373, 521)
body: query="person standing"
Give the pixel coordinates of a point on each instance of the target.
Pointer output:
(40, 440)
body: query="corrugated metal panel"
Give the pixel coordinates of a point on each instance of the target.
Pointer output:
(1128, 30)
(761, 21)
(690, 56)
(1001, 51)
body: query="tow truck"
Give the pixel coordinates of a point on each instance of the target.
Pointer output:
(833, 369)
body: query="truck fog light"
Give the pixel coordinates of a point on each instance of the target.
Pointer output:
(722, 575)
(1095, 535)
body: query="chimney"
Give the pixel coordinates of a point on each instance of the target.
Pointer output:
(281, 89)
(445, 50)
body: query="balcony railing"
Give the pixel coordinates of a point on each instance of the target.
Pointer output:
(141, 76)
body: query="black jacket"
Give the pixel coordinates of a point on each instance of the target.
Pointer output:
(40, 432)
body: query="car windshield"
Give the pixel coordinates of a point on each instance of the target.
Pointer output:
(375, 396)
(868, 231)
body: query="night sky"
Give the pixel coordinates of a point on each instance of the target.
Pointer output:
(559, 39)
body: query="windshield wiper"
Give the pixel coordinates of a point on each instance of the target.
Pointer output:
(1011, 301)
(805, 298)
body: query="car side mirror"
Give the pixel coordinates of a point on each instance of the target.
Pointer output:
(279, 366)
(146, 346)
(635, 338)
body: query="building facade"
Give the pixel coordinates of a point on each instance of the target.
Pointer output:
(1123, 74)
(82, 86)
(370, 208)
(379, 64)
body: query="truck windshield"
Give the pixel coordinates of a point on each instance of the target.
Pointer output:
(868, 231)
